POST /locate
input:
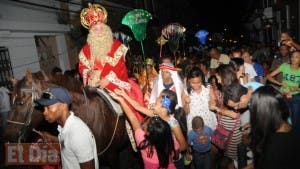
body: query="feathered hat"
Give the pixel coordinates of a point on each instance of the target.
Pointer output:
(92, 15)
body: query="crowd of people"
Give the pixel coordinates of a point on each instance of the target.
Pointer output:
(241, 110)
(233, 91)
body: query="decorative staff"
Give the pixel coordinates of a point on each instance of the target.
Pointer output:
(137, 21)
(161, 41)
(173, 32)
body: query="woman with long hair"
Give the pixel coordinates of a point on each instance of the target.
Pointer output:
(155, 140)
(235, 100)
(274, 143)
(172, 116)
(227, 77)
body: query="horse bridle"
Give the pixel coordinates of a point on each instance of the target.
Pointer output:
(25, 125)
(34, 95)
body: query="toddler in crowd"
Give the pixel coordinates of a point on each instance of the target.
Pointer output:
(199, 139)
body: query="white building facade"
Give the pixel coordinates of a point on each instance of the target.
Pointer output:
(32, 35)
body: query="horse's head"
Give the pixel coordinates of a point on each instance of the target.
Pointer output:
(23, 116)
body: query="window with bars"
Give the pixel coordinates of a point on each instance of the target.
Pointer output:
(5, 68)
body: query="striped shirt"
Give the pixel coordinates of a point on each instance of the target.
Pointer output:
(232, 147)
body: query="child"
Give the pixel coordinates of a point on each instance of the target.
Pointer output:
(199, 139)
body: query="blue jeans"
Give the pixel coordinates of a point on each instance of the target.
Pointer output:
(201, 160)
(294, 104)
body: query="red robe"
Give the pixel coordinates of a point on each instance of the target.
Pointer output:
(114, 70)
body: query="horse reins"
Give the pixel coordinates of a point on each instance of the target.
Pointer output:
(28, 118)
(34, 93)
(112, 137)
(116, 125)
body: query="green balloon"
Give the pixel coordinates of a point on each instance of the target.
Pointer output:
(137, 20)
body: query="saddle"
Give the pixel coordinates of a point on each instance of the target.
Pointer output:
(117, 109)
(113, 105)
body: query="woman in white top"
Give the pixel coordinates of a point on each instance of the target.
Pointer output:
(196, 103)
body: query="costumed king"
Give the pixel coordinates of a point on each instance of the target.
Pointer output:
(102, 58)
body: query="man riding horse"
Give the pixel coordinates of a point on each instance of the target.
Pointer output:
(102, 59)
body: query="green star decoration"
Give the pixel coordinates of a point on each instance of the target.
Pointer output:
(137, 21)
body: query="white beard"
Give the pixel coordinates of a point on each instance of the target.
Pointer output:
(100, 46)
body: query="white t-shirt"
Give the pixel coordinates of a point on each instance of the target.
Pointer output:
(250, 71)
(214, 63)
(77, 143)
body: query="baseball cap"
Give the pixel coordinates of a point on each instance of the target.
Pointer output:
(54, 95)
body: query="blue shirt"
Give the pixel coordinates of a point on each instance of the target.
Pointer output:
(253, 85)
(200, 141)
(259, 71)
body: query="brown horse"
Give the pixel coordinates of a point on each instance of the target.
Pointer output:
(107, 127)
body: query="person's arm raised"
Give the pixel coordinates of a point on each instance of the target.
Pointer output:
(293, 44)
(186, 102)
(129, 113)
(133, 103)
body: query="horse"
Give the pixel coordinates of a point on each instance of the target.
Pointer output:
(108, 127)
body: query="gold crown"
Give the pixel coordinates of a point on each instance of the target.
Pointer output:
(93, 14)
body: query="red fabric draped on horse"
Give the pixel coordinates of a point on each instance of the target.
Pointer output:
(87, 105)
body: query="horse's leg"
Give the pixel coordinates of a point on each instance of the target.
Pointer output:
(124, 159)
(114, 160)
(130, 159)
(134, 159)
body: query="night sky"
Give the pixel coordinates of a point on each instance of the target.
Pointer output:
(215, 15)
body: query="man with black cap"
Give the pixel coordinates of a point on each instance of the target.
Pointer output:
(77, 143)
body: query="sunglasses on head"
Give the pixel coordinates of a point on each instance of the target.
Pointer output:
(48, 95)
